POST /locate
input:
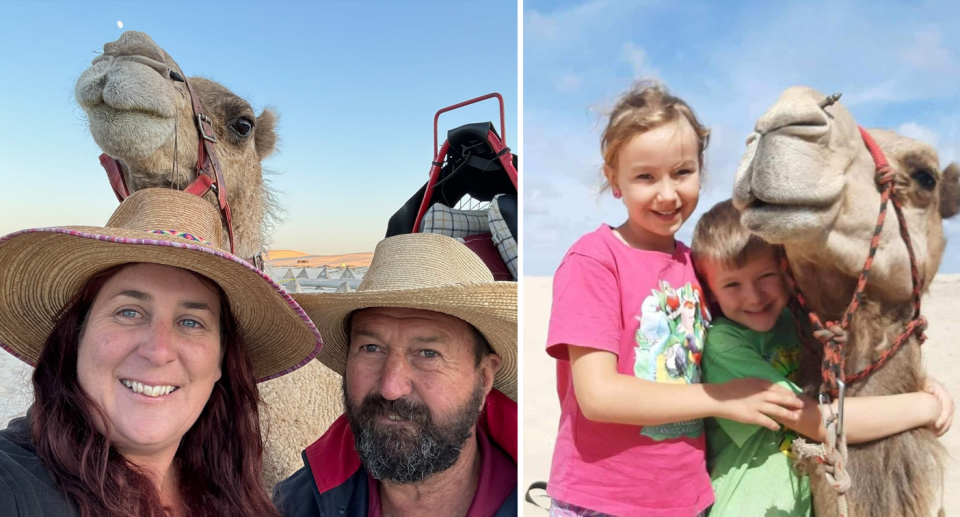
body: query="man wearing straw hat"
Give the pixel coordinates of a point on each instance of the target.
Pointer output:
(427, 347)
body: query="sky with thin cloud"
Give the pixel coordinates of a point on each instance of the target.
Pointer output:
(356, 85)
(897, 65)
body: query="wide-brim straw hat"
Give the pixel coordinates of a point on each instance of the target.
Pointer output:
(42, 269)
(430, 272)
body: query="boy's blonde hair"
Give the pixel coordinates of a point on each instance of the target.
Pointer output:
(720, 238)
(647, 105)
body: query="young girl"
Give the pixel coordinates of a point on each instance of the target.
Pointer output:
(627, 330)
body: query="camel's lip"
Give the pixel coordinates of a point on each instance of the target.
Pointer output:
(130, 85)
(783, 223)
(762, 202)
(112, 112)
(761, 206)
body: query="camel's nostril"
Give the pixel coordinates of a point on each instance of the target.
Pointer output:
(137, 47)
(798, 121)
(805, 128)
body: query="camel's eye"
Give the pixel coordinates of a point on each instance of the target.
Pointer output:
(925, 179)
(243, 126)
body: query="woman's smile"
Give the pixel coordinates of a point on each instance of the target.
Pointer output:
(149, 390)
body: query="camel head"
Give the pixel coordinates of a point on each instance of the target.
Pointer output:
(139, 115)
(807, 181)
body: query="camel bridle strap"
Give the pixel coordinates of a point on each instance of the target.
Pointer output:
(115, 175)
(833, 334)
(209, 173)
(832, 454)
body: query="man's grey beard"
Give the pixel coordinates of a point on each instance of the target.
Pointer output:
(404, 455)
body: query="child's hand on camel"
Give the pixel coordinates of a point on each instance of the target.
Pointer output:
(943, 421)
(755, 401)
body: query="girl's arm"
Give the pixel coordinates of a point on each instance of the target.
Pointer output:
(942, 425)
(871, 418)
(604, 395)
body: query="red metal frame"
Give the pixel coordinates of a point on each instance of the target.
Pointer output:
(497, 144)
(503, 124)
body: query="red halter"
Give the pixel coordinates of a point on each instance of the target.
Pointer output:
(833, 334)
(209, 173)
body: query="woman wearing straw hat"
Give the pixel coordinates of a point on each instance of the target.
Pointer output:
(148, 341)
(427, 346)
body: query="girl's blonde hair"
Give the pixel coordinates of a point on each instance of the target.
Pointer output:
(647, 105)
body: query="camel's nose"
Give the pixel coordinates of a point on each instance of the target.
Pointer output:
(138, 47)
(797, 113)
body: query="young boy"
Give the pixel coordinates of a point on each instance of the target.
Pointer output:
(755, 336)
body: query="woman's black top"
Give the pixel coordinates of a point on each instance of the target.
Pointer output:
(26, 488)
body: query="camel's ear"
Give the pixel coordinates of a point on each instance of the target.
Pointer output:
(950, 191)
(266, 135)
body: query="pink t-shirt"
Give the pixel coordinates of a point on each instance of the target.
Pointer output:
(645, 307)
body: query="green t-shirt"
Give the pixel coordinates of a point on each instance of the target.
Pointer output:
(750, 473)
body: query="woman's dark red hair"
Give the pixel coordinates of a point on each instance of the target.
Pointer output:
(219, 458)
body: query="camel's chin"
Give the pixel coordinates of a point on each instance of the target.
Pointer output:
(779, 224)
(129, 135)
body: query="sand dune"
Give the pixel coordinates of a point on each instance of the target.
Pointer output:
(284, 254)
(291, 258)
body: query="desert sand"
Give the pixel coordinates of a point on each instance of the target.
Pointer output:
(541, 409)
(291, 258)
(16, 390)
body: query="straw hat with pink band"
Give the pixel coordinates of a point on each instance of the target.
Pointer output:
(42, 269)
(430, 272)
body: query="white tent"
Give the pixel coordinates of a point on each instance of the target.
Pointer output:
(288, 274)
(347, 273)
(291, 285)
(344, 288)
(303, 273)
(323, 273)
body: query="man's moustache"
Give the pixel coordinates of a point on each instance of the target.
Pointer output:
(377, 405)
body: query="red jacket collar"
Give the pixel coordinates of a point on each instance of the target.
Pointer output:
(333, 459)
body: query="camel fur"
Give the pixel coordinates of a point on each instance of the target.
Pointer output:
(807, 182)
(140, 116)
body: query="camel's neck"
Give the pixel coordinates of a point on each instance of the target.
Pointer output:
(874, 327)
(246, 217)
(873, 330)
(827, 290)
(254, 209)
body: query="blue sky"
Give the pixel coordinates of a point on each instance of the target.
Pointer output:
(896, 63)
(356, 85)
